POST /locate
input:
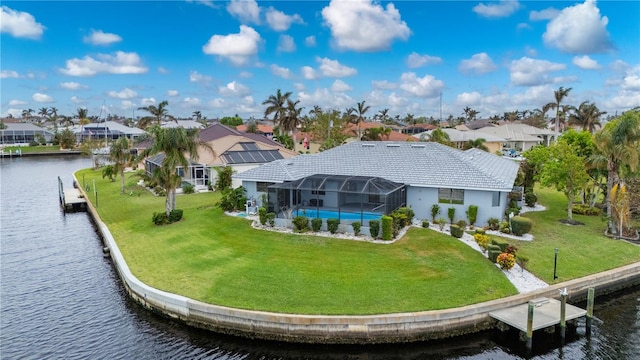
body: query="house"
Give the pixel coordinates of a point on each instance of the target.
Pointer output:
(352, 129)
(461, 138)
(187, 124)
(266, 130)
(107, 129)
(377, 177)
(23, 134)
(520, 137)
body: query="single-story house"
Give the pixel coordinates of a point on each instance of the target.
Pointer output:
(460, 138)
(107, 129)
(369, 178)
(23, 134)
(520, 137)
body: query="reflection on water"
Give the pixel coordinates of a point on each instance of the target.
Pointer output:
(61, 298)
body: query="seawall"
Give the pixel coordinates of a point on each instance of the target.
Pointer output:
(384, 328)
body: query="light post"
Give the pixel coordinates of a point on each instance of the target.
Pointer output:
(555, 265)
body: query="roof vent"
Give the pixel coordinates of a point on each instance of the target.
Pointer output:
(368, 145)
(393, 145)
(421, 146)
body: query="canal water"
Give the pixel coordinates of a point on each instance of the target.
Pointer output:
(61, 298)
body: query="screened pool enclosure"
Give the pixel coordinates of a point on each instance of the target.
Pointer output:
(351, 198)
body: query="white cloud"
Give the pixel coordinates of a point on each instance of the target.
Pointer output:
(76, 100)
(530, 51)
(125, 94)
(332, 68)
(162, 70)
(585, 62)
(340, 86)
(245, 10)
(310, 41)
(234, 88)
(218, 103)
(195, 76)
(16, 113)
(6, 74)
(71, 85)
(280, 21)
(309, 73)
(282, 72)
(383, 85)
(467, 99)
(191, 101)
(479, 64)
(238, 48)
(286, 44)
(415, 60)
(121, 63)
(631, 81)
(17, 103)
(98, 37)
(427, 86)
(127, 104)
(147, 101)
(42, 98)
(328, 99)
(173, 93)
(579, 29)
(299, 86)
(363, 25)
(503, 8)
(528, 72)
(20, 24)
(546, 14)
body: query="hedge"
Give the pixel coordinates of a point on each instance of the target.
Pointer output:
(387, 227)
(520, 225)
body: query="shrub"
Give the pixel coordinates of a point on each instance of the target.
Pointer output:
(232, 199)
(505, 228)
(482, 240)
(462, 224)
(262, 215)
(520, 225)
(506, 261)
(441, 223)
(501, 244)
(530, 198)
(435, 211)
(494, 223)
(188, 188)
(332, 225)
(451, 213)
(405, 220)
(493, 253)
(316, 224)
(271, 219)
(480, 231)
(160, 218)
(584, 209)
(511, 249)
(425, 224)
(374, 228)
(301, 223)
(456, 231)
(175, 215)
(512, 208)
(399, 220)
(356, 227)
(472, 214)
(387, 227)
(225, 174)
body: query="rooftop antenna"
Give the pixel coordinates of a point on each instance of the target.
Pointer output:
(440, 106)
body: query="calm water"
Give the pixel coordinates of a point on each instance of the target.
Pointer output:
(328, 214)
(60, 298)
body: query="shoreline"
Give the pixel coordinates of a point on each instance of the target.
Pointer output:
(353, 329)
(44, 153)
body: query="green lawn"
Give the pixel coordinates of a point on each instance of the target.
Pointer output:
(33, 149)
(222, 260)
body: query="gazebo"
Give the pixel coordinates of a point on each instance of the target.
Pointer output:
(354, 198)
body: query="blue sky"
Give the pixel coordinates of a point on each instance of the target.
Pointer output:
(225, 58)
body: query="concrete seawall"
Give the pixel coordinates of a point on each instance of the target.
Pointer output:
(385, 328)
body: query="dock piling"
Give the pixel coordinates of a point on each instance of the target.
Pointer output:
(563, 314)
(530, 326)
(590, 298)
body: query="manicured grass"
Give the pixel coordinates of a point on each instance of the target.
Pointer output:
(220, 259)
(583, 249)
(32, 149)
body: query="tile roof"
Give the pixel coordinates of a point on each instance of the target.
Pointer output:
(420, 164)
(463, 136)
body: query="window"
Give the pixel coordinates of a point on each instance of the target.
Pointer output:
(496, 199)
(263, 186)
(451, 196)
(317, 192)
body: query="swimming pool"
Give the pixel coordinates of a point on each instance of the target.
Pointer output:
(330, 214)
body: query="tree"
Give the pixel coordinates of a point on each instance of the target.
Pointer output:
(470, 113)
(82, 118)
(383, 115)
(231, 121)
(276, 105)
(587, 115)
(291, 119)
(620, 204)
(197, 115)
(361, 110)
(559, 95)
(476, 144)
(158, 114)
(437, 135)
(26, 114)
(617, 146)
(120, 155)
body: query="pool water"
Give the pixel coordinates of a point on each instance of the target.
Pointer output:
(330, 214)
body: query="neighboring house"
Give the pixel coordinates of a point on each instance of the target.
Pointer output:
(417, 128)
(187, 124)
(379, 176)
(351, 130)
(23, 134)
(461, 138)
(108, 129)
(520, 137)
(266, 130)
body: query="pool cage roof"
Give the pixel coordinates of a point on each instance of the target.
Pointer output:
(346, 184)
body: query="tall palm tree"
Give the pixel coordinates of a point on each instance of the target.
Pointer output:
(277, 105)
(158, 114)
(361, 109)
(291, 119)
(559, 95)
(120, 154)
(383, 115)
(476, 144)
(83, 119)
(437, 135)
(586, 115)
(197, 115)
(618, 146)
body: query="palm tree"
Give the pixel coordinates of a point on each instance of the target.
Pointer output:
(361, 110)
(586, 115)
(158, 114)
(276, 105)
(83, 120)
(120, 154)
(197, 115)
(26, 114)
(618, 146)
(437, 135)
(559, 95)
(291, 119)
(476, 144)
(383, 115)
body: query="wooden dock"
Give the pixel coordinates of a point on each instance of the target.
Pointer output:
(546, 314)
(71, 200)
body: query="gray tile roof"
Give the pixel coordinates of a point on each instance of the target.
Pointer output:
(425, 164)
